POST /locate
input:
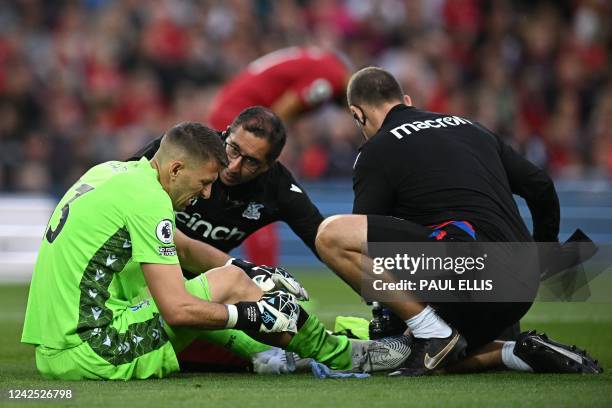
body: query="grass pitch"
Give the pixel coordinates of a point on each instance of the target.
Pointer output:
(588, 325)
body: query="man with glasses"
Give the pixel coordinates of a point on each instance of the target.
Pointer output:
(289, 82)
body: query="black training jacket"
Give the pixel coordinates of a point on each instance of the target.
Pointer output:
(429, 167)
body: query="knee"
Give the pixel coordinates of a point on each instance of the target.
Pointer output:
(333, 233)
(245, 288)
(240, 288)
(327, 233)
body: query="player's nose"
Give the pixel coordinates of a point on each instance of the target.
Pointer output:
(235, 164)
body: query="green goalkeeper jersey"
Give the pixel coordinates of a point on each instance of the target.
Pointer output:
(114, 218)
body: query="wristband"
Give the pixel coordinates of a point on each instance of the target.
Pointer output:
(232, 316)
(248, 316)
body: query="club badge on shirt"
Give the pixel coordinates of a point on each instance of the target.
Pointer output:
(252, 211)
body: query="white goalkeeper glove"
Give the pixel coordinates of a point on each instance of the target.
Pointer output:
(274, 312)
(270, 278)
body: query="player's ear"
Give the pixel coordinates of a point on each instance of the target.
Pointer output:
(175, 168)
(407, 100)
(358, 114)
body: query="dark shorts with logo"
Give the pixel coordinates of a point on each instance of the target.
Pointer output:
(480, 323)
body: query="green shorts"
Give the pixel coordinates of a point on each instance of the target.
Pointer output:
(137, 345)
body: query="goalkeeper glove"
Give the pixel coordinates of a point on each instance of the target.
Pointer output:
(274, 312)
(270, 278)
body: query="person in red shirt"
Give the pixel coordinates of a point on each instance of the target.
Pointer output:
(288, 81)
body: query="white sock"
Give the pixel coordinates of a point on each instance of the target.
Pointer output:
(512, 361)
(428, 324)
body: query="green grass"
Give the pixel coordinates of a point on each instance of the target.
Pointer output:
(586, 324)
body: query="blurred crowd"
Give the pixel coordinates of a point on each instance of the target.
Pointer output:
(87, 81)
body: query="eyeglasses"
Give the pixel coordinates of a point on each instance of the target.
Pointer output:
(251, 164)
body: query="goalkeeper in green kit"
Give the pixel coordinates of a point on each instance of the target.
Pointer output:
(112, 235)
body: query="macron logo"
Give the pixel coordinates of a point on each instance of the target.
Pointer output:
(407, 128)
(295, 188)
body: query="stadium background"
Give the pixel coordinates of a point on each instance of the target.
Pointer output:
(83, 82)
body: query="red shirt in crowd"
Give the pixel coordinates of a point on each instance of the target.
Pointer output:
(315, 75)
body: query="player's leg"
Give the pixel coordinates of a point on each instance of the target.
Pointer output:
(342, 239)
(219, 285)
(340, 243)
(216, 349)
(138, 343)
(311, 339)
(488, 357)
(481, 324)
(234, 341)
(133, 345)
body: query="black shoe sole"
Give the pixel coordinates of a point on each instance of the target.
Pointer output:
(547, 356)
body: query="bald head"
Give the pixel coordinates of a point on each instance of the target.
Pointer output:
(371, 94)
(373, 86)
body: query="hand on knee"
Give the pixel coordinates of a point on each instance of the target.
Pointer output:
(234, 286)
(245, 288)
